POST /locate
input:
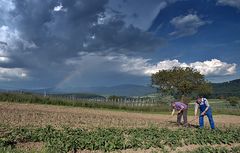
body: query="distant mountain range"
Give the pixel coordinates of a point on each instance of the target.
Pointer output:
(119, 90)
(225, 89)
(231, 88)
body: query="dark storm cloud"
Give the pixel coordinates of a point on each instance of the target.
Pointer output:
(56, 34)
(3, 44)
(114, 36)
(52, 37)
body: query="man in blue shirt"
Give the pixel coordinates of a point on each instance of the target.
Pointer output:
(205, 109)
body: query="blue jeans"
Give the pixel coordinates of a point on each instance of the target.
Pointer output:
(210, 118)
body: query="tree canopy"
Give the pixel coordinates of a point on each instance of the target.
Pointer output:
(181, 81)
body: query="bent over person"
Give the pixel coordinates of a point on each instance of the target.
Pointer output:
(205, 109)
(182, 111)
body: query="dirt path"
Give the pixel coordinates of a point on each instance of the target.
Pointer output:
(15, 114)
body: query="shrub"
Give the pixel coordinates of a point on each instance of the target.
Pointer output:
(234, 101)
(186, 99)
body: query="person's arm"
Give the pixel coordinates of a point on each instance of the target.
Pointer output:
(196, 109)
(182, 107)
(173, 111)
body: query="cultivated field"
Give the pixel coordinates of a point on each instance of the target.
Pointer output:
(35, 115)
(47, 128)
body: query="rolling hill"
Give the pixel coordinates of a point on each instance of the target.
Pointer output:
(226, 89)
(119, 90)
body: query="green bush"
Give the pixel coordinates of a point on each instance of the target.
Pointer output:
(167, 99)
(234, 101)
(186, 99)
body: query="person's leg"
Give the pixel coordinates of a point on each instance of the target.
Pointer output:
(210, 118)
(201, 121)
(179, 117)
(185, 117)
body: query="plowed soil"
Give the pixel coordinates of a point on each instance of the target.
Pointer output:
(35, 115)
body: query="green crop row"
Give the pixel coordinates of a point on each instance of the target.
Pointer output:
(204, 149)
(67, 139)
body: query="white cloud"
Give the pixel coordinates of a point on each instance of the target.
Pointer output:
(144, 67)
(8, 74)
(12, 37)
(232, 3)
(9, 40)
(214, 67)
(6, 5)
(59, 8)
(4, 59)
(186, 25)
(164, 65)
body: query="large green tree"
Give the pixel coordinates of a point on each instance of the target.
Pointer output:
(181, 81)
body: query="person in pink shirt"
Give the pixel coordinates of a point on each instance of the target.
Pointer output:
(181, 108)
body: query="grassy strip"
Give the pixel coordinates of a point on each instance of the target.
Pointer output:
(68, 139)
(226, 111)
(159, 108)
(29, 98)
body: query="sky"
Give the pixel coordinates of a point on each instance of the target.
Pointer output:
(84, 43)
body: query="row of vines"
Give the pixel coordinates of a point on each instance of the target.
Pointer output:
(68, 139)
